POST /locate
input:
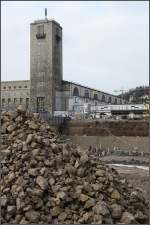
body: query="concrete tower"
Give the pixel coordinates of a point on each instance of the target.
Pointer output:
(45, 64)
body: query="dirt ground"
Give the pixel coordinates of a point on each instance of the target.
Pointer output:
(137, 177)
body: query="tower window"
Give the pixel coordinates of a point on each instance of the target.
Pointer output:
(58, 38)
(40, 32)
(40, 104)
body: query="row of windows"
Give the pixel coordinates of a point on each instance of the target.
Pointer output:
(14, 100)
(14, 87)
(95, 96)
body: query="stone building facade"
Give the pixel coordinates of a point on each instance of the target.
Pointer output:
(46, 90)
(14, 93)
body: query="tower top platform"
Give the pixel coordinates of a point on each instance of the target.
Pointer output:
(45, 21)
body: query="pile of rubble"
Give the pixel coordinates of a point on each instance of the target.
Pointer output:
(44, 180)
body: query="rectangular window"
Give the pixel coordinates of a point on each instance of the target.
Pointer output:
(27, 101)
(21, 100)
(3, 101)
(76, 100)
(40, 104)
(40, 32)
(40, 29)
(9, 100)
(15, 100)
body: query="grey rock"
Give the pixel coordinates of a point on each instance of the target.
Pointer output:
(10, 128)
(33, 172)
(55, 211)
(101, 209)
(32, 216)
(29, 138)
(100, 173)
(62, 216)
(51, 181)
(116, 211)
(11, 209)
(4, 201)
(127, 218)
(90, 203)
(33, 125)
(42, 182)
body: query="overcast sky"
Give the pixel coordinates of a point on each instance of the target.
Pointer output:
(105, 44)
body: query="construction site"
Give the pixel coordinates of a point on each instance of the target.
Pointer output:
(70, 154)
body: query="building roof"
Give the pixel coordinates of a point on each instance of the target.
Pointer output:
(46, 21)
(64, 81)
(13, 81)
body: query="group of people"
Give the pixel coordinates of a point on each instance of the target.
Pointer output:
(99, 151)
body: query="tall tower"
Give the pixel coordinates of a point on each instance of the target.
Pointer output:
(45, 64)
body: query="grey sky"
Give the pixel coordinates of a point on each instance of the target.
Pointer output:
(105, 44)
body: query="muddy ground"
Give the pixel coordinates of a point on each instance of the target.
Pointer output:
(127, 160)
(137, 177)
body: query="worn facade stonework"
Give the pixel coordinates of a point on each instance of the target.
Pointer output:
(46, 90)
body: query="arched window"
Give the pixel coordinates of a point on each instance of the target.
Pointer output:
(95, 96)
(109, 100)
(103, 98)
(75, 92)
(86, 94)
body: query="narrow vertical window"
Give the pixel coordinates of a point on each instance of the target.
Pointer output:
(40, 32)
(21, 100)
(40, 104)
(9, 100)
(3, 101)
(27, 103)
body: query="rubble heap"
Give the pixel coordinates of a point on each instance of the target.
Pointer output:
(44, 180)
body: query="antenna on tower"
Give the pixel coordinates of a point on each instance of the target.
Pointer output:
(46, 13)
